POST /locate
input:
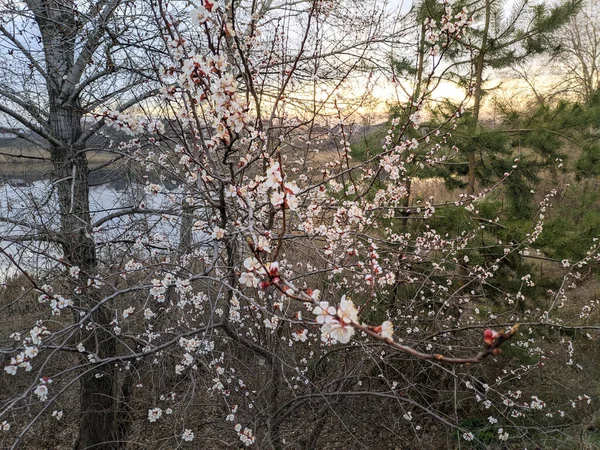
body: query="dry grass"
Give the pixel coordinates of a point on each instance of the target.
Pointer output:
(28, 162)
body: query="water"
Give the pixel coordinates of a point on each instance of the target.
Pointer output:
(29, 209)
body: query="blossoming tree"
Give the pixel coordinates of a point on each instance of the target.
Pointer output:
(271, 283)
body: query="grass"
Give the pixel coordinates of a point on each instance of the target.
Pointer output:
(369, 143)
(28, 162)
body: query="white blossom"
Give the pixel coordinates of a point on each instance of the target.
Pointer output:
(154, 414)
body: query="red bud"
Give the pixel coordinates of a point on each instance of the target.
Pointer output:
(489, 336)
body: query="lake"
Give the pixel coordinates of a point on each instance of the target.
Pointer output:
(28, 207)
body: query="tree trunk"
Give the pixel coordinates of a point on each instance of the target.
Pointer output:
(97, 426)
(58, 24)
(479, 66)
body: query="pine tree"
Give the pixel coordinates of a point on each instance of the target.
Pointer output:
(499, 40)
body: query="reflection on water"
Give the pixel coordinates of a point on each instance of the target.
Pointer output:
(28, 210)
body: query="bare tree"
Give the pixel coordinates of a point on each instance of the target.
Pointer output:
(580, 51)
(64, 61)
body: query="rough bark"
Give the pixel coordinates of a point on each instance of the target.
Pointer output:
(58, 24)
